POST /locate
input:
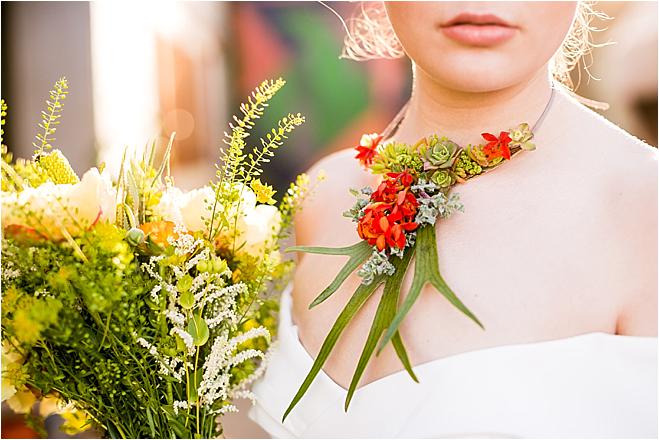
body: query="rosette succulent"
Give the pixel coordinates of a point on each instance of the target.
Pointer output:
(443, 178)
(521, 137)
(439, 153)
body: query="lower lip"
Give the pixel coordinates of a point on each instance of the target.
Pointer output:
(479, 35)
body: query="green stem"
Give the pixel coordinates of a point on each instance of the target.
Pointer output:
(196, 363)
(355, 303)
(105, 332)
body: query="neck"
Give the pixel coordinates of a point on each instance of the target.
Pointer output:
(463, 116)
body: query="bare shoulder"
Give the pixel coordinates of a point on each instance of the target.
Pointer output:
(606, 142)
(624, 171)
(322, 211)
(341, 171)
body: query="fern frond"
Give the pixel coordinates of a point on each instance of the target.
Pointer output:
(51, 116)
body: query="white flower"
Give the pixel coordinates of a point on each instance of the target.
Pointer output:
(194, 208)
(247, 198)
(51, 207)
(186, 209)
(259, 228)
(367, 140)
(197, 206)
(53, 404)
(180, 404)
(169, 205)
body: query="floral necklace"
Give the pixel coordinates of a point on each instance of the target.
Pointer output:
(397, 221)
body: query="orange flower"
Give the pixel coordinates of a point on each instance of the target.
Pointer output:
(159, 231)
(24, 234)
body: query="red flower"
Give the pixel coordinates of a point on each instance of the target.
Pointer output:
(406, 179)
(497, 147)
(367, 148)
(391, 213)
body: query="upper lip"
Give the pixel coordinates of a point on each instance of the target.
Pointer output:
(472, 18)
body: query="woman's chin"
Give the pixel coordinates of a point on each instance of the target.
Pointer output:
(470, 79)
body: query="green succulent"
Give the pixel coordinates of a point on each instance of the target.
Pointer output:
(521, 137)
(477, 154)
(465, 166)
(443, 178)
(439, 152)
(396, 157)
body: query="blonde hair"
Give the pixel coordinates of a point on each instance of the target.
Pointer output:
(370, 36)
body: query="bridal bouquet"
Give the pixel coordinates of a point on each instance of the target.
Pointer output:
(131, 305)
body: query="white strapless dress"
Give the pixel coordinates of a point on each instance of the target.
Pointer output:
(590, 385)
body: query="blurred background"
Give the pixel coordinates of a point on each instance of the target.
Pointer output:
(140, 70)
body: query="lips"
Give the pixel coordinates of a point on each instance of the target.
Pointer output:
(481, 30)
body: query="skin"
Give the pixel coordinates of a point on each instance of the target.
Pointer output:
(556, 243)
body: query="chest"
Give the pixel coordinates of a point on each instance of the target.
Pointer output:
(530, 256)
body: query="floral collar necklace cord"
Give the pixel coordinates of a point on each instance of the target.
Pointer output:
(395, 222)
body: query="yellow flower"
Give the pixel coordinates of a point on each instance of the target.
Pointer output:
(75, 421)
(57, 166)
(263, 192)
(22, 401)
(10, 356)
(8, 388)
(25, 326)
(11, 364)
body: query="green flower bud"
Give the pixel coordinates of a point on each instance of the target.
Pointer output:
(135, 236)
(219, 265)
(202, 266)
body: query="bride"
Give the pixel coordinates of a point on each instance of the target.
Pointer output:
(555, 252)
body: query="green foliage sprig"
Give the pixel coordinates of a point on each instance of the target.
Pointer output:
(238, 167)
(139, 184)
(293, 199)
(3, 114)
(51, 116)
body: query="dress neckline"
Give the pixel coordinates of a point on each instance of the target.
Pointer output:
(285, 313)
